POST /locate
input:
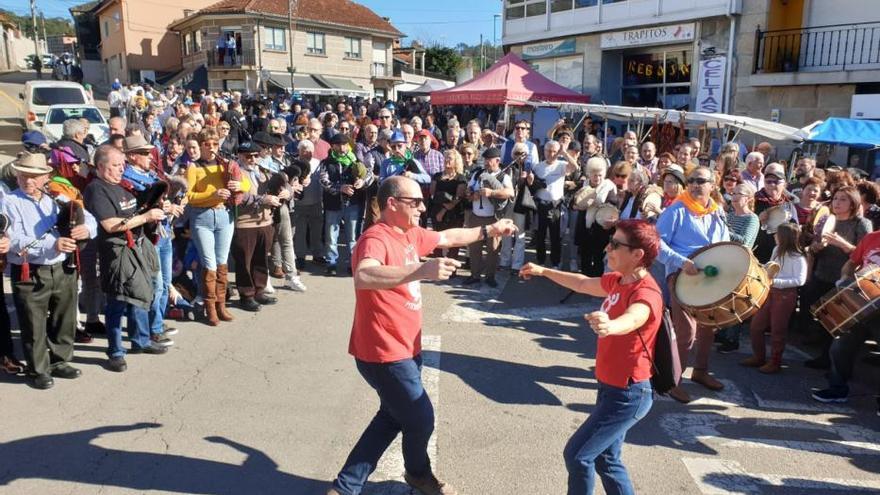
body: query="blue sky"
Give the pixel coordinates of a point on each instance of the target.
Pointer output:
(447, 22)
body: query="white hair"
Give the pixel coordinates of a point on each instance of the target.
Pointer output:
(72, 127)
(305, 145)
(597, 164)
(551, 142)
(754, 156)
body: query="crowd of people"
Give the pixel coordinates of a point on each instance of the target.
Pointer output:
(191, 187)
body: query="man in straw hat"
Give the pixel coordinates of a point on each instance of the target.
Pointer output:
(43, 283)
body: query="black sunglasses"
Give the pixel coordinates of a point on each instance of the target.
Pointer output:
(521, 128)
(699, 180)
(621, 176)
(615, 244)
(416, 202)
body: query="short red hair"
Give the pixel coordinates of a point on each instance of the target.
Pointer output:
(641, 234)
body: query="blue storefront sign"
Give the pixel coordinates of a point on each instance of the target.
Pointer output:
(549, 49)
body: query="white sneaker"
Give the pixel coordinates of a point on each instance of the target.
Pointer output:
(269, 289)
(294, 283)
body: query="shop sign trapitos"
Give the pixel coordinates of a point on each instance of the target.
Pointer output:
(674, 33)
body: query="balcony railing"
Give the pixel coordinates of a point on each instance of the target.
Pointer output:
(245, 58)
(381, 70)
(818, 49)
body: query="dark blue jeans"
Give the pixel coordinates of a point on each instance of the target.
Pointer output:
(138, 326)
(595, 447)
(405, 407)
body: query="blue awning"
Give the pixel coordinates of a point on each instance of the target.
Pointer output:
(847, 132)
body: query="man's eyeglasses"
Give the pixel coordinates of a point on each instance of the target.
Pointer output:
(416, 202)
(699, 180)
(616, 244)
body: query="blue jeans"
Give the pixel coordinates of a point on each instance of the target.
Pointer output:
(138, 327)
(212, 230)
(161, 283)
(349, 215)
(404, 406)
(595, 447)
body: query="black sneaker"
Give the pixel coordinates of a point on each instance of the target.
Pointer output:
(331, 270)
(95, 328)
(43, 382)
(728, 347)
(829, 396)
(300, 263)
(249, 304)
(153, 348)
(266, 300)
(82, 337)
(66, 371)
(320, 260)
(117, 364)
(471, 280)
(491, 282)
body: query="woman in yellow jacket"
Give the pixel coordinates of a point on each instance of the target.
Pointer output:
(215, 186)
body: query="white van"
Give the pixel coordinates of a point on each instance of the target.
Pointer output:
(39, 95)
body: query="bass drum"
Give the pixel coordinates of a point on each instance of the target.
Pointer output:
(842, 308)
(731, 296)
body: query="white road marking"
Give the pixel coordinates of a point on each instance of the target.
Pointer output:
(722, 477)
(815, 407)
(485, 313)
(390, 466)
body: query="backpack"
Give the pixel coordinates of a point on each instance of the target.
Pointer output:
(666, 363)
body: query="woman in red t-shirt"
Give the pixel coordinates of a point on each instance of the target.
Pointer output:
(626, 326)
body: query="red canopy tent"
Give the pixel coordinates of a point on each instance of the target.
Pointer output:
(509, 82)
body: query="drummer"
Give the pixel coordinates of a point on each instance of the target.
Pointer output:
(592, 238)
(695, 220)
(771, 194)
(830, 254)
(846, 346)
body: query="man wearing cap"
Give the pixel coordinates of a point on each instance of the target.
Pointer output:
(490, 192)
(402, 162)
(691, 222)
(343, 178)
(140, 174)
(123, 250)
(431, 159)
(771, 195)
(43, 282)
(254, 231)
(283, 257)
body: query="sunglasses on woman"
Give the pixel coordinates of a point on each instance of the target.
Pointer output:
(616, 244)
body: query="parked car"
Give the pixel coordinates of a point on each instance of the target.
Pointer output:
(39, 95)
(57, 114)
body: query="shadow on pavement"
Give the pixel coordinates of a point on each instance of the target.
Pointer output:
(512, 383)
(74, 457)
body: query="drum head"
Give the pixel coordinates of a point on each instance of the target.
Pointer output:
(654, 199)
(777, 216)
(827, 225)
(607, 214)
(732, 262)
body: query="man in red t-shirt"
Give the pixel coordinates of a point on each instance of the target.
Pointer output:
(387, 331)
(845, 347)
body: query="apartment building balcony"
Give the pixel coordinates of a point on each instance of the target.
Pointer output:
(246, 59)
(383, 72)
(835, 54)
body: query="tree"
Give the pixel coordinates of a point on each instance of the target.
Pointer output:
(442, 60)
(54, 25)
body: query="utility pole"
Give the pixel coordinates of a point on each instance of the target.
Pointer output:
(495, 38)
(34, 23)
(43, 22)
(481, 52)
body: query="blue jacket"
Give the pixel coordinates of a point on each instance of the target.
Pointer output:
(682, 233)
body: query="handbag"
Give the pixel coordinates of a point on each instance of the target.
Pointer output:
(525, 202)
(666, 363)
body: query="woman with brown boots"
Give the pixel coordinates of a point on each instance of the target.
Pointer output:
(215, 189)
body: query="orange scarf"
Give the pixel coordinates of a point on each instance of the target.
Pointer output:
(696, 208)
